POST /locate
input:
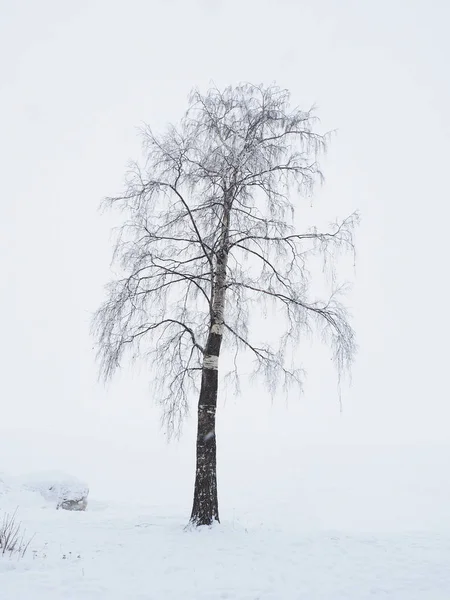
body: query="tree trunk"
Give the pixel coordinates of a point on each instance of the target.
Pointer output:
(205, 509)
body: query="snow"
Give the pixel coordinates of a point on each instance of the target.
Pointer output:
(107, 554)
(345, 524)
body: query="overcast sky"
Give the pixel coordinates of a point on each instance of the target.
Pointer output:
(78, 78)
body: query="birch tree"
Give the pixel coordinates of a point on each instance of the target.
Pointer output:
(209, 233)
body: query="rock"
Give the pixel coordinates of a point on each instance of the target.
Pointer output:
(73, 504)
(65, 491)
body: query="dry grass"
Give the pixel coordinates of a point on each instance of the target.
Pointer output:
(13, 538)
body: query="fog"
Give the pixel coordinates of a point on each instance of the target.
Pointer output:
(78, 79)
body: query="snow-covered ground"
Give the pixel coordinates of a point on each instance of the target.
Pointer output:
(339, 523)
(140, 554)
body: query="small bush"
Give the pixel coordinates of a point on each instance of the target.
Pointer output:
(13, 539)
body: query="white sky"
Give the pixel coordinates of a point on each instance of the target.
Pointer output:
(77, 78)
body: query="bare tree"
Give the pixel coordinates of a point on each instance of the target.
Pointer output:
(209, 232)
